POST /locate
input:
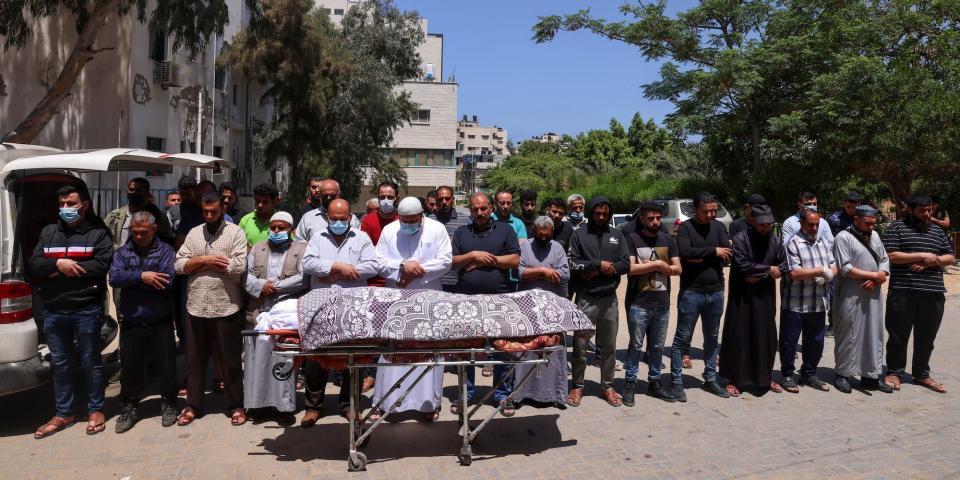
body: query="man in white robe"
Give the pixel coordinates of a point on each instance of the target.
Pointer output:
(858, 303)
(414, 253)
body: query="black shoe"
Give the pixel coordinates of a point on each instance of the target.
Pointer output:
(678, 393)
(128, 418)
(716, 389)
(655, 390)
(629, 392)
(168, 415)
(286, 419)
(875, 384)
(842, 384)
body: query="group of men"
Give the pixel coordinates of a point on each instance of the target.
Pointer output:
(204, 270)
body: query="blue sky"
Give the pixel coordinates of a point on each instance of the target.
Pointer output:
(576, 82)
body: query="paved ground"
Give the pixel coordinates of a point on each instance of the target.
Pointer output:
(914, 433)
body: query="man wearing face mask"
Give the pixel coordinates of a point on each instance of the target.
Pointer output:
(256, 224)
(315, 221)
(385, 214)
(791, 226)
(414, 253)
(118, 220)
(69, 271)
(338, 255)
(214, 256)
(575, 207)
(274, 273)
(528, 210)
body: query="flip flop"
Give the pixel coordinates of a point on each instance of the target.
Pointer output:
(776, 388)
(58, 423)
(99, 423)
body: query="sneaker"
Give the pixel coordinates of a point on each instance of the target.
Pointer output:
(168, 415)
(716, 389)
(678, 393)
(629, 391)
(128, 418)
(655, 390)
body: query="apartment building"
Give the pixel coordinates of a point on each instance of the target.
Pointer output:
(479, 149)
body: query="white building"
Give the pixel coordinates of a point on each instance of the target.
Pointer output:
(140, 94)
(479, 149)
(426, 146)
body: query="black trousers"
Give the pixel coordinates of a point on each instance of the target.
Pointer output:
(315, 383)
(912, 310)
(143, 344)
(220, 337)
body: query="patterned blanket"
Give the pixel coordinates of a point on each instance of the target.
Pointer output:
(341, 315)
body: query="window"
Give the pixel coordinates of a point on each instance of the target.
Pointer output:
(485, 137)
(219, 76)
(338, 11)
(158, 45)
(234, 94)
(155, 144)
(461, 134)
(218, 151)
(471, 136)
(422, 117)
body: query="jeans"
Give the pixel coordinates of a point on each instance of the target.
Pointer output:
(690, 306)
(604, 313)
(650, 322)
(62, 329)
(914, 310)
(812, 325)
(498, 372)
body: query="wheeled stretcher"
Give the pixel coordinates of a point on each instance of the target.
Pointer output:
(355, 357)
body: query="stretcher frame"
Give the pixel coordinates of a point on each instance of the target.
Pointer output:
(359, 433)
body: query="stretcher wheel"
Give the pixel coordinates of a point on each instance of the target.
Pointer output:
(466, 455)
(283, 370)
(356, 462)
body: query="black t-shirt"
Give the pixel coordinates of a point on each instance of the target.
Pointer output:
(651, 289)
(699, 242)
(562, 234)
(499, 239)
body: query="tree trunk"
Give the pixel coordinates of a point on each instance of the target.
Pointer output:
(82, 52)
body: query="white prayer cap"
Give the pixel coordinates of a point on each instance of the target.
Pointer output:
(284, 216)
(410, 206)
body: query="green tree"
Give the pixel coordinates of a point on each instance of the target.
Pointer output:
(333, 89)
(190, 22)
(647, 138)
(598, 151)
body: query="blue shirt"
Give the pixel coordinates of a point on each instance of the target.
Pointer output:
(518, 227)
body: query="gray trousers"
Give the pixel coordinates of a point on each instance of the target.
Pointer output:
(604, 313)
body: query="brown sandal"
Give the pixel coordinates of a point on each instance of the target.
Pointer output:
(733, 390)
(687, 363)
(238, 417)
(96, 423)
(612, 397)
(931, 384)
(54, 425)
(776, 388)
(573, 399)
(187, 416)
(893, 380)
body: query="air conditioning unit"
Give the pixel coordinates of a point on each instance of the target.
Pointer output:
(166, 74)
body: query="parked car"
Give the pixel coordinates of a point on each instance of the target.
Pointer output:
(679, 210)
(620, 218)
(29, 179)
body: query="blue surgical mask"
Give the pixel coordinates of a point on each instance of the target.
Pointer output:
(576, 216)
(339, 227)
(387, 206)
(69, 214)
(279, 237)
(410, 228)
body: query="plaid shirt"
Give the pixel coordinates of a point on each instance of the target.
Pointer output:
(213, 294)
(805, 296)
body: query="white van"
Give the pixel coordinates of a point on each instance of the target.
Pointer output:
(29, 179)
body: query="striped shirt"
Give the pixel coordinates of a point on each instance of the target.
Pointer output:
(907, 237)
(805, 296)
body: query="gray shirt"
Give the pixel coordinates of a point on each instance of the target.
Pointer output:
(316, 221)
(356, 249)
(555, 258)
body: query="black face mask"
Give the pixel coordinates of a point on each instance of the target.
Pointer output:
(541, 243)
(213, 227)
(136, 199)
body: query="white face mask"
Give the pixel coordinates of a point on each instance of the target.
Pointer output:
(387, 206)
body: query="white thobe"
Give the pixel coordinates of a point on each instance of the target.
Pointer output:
(430, 246)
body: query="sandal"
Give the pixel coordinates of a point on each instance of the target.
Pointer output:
(431, 416)
(931, 384)
(893, 380)
(508, 410)
(238, 417)
(54, 425)
(487, 371)
(776, 388)
(687, 363)
(816, 383)
(368, 384)
(733, 390)
(573, 399)
(96, 423)
(789, 384)
(612, 397)
(455, 407)
(187, 416)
